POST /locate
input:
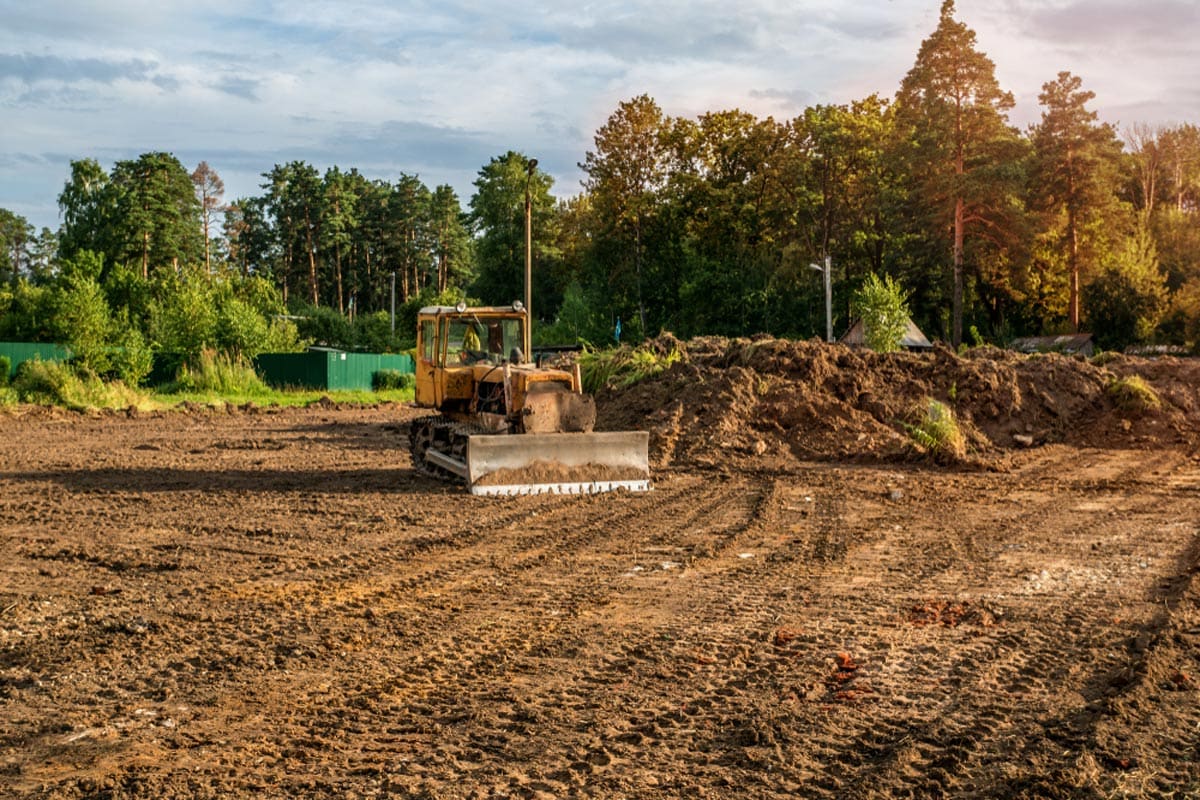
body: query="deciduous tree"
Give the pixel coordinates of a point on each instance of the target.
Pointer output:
(1126, 302)
(88, 205)
(498, 216)
(624, 174)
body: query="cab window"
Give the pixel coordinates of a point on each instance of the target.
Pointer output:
(482, 341)
(427, 340)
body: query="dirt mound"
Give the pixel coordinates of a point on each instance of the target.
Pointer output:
(769, 400)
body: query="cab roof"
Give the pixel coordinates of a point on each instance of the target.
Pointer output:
(430, 311)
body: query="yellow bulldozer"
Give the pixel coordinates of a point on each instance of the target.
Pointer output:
(505, 425)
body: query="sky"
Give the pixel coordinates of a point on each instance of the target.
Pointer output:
(437, 88)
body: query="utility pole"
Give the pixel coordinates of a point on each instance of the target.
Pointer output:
(530, 166)
(393, 301)
(827, 272)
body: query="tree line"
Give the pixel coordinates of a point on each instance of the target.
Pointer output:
(698, 226)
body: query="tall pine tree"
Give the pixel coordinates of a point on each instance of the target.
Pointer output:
(962, 153)
(1075, 177)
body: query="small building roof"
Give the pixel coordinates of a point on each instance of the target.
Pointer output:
(913, 339)
(1069, 343)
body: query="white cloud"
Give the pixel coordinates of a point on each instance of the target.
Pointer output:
(437, 88)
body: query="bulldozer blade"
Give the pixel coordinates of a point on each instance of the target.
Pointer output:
(558, 463)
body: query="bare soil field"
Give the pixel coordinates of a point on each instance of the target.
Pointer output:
(272, 603)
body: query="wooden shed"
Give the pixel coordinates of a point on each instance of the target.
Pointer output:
(913, 339)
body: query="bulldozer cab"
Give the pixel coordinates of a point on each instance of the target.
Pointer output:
(451, 342)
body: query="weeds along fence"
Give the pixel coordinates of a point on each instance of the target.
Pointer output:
(314, 369)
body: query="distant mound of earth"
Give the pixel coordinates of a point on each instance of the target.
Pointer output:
(765, 401)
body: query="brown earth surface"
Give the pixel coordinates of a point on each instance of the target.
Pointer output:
(272, 603)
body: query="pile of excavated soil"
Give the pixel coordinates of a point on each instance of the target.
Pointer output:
(772, 400)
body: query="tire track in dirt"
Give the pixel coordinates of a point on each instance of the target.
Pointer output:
(602, 536)
(958, 733)
(954, 740)
(326, 643)
(471, 653)
(644, 660)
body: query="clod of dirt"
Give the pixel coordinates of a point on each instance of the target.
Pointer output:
(783, 636)
(949, 615)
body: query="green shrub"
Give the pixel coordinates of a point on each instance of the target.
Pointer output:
(86, 324)
(133, 360)
(1132, 393)
(44, 382)
(27, 313)
(882, 306)
(576, 322)
(217, 374)
(936, 432)
(185, 321)
(283, 337)
(241, 330)
(373, 333)
(5, 370)
(55, 383)
(390, 379)
(325, 326)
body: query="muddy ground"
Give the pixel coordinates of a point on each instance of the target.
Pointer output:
(266, 603)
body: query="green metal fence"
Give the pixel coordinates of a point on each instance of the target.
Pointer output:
(28, 351)
(327, 369)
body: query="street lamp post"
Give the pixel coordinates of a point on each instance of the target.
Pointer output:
(530, 166)
(827, 273)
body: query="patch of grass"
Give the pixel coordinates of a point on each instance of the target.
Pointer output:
(56, 383)
(936, 431)
(286, 398)
(1105, 358)
(624, 367)
(215, 383)
(217, 374)
(1132, 393)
